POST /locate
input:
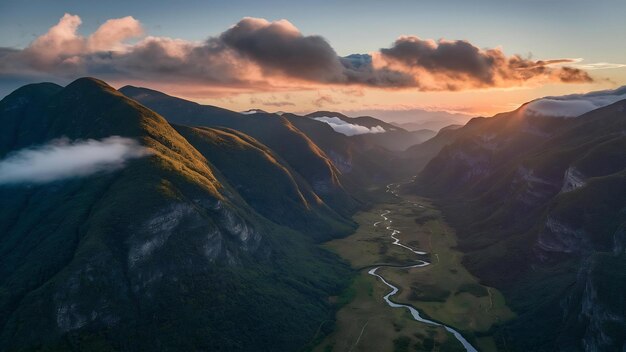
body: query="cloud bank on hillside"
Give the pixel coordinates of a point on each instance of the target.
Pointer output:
(575, 104)
(347, 128)
(61, 159)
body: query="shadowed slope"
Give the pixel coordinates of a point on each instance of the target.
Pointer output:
(543, 197)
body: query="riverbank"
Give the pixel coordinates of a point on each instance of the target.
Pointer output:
(443, 290)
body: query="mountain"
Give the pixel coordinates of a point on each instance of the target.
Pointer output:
(23, 108)
(366, 121)
(363, 163)
(314, 150)
(207, 237)
(253, 111)
(274, 131)
(412, 160)
(274, 189)
(416, 119)
(166, 252)
(424, 134)
(367, 129)
(538, 201)
(409, 126)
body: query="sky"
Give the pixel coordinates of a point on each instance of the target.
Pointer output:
(475, 57)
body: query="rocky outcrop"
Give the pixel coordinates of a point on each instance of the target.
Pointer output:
(572, 180)
(343, 164)
(619, 241)
(531, 189)
(558, 236)
(597, 314)
(477, 164)
(223, 240)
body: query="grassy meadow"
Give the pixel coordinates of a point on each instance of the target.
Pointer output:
(444, 290)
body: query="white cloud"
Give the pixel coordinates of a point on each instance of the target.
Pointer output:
(251, 112)
(599, 66)
(347, 128)
(575, 104)
(62, 159)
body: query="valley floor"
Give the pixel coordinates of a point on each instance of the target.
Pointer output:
(443, 291)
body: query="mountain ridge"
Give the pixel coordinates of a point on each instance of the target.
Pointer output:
(541, 198)
(155, 255)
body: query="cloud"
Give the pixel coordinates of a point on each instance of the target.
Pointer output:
(62, 49)
(458, 64)
(347, 128)
(590, 66)
(279, 47)
(113, 32)
(272, 101)
(323, 100)
(599, 66)
(575, 104)
(260, 55)
(62, 159)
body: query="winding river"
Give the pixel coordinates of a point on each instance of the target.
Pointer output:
(393, 189)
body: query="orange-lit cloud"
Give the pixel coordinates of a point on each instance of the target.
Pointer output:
(324, 100)
(259, 55)
(61, 48)
(272, 101)
(457, 65)
(112, 33)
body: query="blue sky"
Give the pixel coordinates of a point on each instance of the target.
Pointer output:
(543, 27)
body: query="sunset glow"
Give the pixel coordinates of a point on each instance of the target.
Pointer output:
(320, 176)
(271, 63)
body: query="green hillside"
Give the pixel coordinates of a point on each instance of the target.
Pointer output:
(163, 254)
(274, 131)
(267, 182)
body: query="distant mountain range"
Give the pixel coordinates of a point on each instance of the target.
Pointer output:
(416, 119)
(200, 228)
(373, 130)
